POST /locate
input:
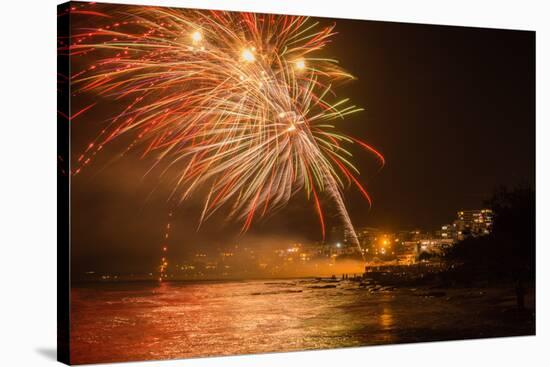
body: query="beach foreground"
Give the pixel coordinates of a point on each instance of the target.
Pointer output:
(114, 322)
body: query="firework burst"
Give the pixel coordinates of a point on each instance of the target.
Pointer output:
(239, 103)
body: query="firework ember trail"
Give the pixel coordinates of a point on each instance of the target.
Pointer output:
(240, 104)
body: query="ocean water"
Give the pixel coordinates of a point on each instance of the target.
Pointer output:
(145, 321)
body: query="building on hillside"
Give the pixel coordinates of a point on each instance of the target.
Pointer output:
(473, 223)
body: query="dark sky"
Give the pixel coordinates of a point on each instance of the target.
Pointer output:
(452, 109)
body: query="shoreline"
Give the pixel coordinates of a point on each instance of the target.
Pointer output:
(324, 314)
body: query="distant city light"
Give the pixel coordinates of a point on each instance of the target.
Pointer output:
(401, 247)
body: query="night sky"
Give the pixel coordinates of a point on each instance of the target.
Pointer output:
(452, 110)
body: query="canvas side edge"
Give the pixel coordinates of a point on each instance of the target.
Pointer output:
(63, 184)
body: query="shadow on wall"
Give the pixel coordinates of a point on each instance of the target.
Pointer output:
(49, 353)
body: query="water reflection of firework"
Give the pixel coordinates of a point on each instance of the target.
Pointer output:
(240, 103)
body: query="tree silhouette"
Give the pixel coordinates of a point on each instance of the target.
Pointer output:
(509, 250)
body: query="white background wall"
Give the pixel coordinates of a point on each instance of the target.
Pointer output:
(28, 181)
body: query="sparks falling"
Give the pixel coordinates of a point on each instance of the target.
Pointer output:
(239, 103)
